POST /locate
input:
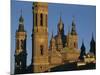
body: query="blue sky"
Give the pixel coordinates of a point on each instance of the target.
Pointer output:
(85, 19)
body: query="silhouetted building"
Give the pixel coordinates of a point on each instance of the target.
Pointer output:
(20, 52)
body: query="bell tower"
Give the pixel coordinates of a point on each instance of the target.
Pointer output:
(40, 37)
(20, 51)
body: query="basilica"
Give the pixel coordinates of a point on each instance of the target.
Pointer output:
(62, 48)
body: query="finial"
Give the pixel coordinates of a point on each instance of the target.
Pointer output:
(21, 12)
(73, 20)
(60, 15)
(21, 18)
(92, 36)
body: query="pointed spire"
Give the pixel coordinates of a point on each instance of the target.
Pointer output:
(21, 23)
(60, 21)
(92, 36)
(60, 26)
(73, 20)
(93, 45)
(73, 31)
(83, 52)
(92, 39)
(21, 18)
(83, 46)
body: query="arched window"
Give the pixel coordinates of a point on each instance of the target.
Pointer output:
(41, 49)
(41, 19)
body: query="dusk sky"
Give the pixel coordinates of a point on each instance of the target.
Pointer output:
(85, 19)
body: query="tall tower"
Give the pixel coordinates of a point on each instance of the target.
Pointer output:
(40, 37)
(72, 37)
(20, 52)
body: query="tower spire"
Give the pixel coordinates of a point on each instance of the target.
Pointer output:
(21, 18)
(82, 53)
(92, 36)
(92, 45)
(73, 20)
(73, 31)
(21, 23)
(82, 42)
(60, 20)
(60, 26)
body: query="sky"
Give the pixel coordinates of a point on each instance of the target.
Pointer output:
(85, 19)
